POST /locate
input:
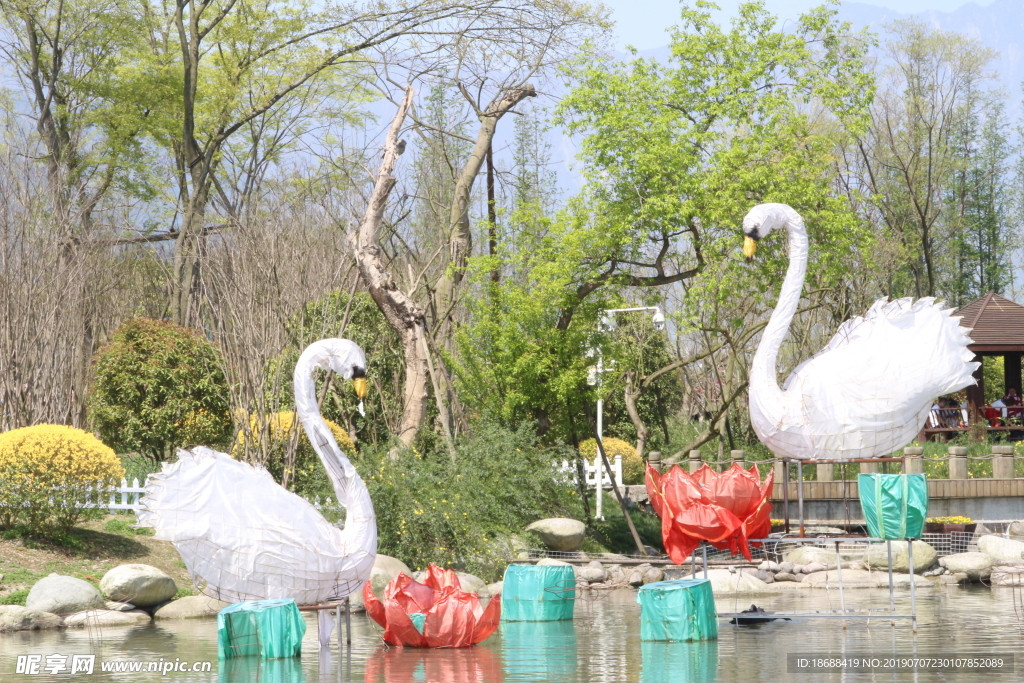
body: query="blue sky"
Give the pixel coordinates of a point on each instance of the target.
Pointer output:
(642, 23)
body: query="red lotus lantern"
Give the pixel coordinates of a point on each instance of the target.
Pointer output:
(724, 509)
(435, 613)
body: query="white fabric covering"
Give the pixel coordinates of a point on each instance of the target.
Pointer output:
(870, 390)
(244, 537)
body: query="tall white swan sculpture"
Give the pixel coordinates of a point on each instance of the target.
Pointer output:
(247, 538)
(868, 392)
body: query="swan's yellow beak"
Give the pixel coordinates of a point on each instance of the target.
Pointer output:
(749, 248)
(359, 384)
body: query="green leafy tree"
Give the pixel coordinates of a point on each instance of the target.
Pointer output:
(158, 386)
(674, 155)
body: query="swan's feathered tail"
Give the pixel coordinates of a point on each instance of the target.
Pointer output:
(868, 392)
(244, 537)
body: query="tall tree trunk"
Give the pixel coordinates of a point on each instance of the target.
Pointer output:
(632, 392)
(460, 236)
(406, 318)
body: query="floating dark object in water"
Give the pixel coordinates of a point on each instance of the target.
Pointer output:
(758, 616)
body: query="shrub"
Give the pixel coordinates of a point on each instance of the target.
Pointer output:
(461, 512)
(48, 472)
(157, 386)
(632, 463)
(307, 476)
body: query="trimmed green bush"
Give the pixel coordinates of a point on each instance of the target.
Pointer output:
(158, 386)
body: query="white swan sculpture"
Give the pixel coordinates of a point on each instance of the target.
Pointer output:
(247, 538)
(868, 392)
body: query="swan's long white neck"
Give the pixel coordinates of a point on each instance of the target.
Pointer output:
(763, 373)
(348, 485)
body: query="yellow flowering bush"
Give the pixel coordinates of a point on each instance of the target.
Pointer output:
(950, 520)
(48, 472)
(307, 474)
(632, 463)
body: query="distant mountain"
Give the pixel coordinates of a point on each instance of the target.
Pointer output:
(999, 26)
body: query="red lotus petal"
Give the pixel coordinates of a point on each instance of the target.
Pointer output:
(488, 622)
(373, 606)
(653, 480)
(412, 595)
(709, 522)
(400, 629)
(439, 579)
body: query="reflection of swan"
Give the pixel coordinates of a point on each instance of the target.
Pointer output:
(868, 392)
(248, 538)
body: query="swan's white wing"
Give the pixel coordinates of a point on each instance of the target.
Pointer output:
(848, 329)
(246, 537)
(868, 393)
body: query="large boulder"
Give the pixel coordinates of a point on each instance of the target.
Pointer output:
(724, 582)
(977, 566)
(877, 556)
(1016, 529)
(809, 554)
(63, 595)
(859, 578)
(559, 533)
(1001, 549)
(549, 562)
(495, 588)
(18, 618)
(138, 584)
(385, 568)
(107, 617)
(190, 607)
(473, 584)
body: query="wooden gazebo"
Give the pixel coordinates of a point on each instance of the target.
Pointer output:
(997, 326)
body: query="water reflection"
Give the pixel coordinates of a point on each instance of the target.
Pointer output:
(601, 645)
(681, 662)
(539, 650)
(432, 665)
(257, 670)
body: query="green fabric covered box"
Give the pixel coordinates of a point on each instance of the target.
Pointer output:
(266, 628)
(532, 593)
(894, 505)
(679, 610)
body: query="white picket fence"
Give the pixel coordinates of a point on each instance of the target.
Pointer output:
(126, 497)
(590, 471)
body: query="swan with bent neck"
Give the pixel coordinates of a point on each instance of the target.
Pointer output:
(242, 536)
(870, 390)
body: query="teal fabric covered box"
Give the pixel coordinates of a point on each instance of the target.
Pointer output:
(894, 505)
(266, 628)
(678, 610)
(532, 593)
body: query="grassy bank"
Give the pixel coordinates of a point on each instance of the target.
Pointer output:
(87, 552)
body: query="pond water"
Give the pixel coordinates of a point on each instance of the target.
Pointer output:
(601, 644)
